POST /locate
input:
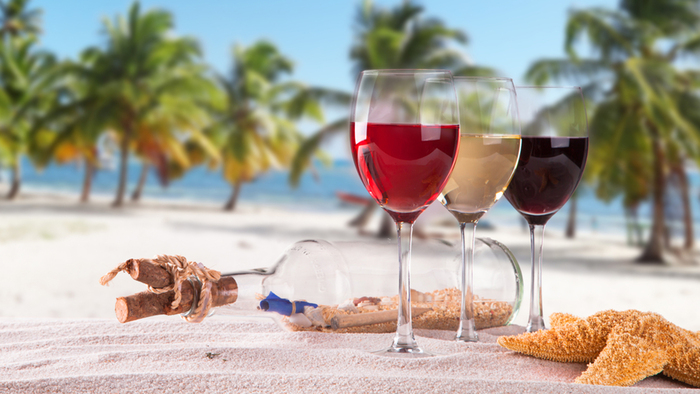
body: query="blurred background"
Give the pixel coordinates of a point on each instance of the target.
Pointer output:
(112, 107)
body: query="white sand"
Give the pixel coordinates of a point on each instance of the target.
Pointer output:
(55, 250)
(223, 356)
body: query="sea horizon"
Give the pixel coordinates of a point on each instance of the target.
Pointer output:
(317, 191)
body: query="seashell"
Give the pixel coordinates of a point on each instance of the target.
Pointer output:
(348, 306)
(371, 307)
(386, 301)
(315, 315)
(416, 295)
(300, 320)
(372, 300)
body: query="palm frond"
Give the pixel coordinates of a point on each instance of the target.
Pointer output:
(302, 159)
(607, 31)
(544, 71)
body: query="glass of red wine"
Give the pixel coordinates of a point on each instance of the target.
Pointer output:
(404, 134)
(552, 159)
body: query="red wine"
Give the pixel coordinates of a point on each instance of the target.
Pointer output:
(548, 171)
(404, 166)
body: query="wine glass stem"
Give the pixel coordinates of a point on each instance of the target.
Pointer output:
(536, 320)
(404, 339)
(467, 328)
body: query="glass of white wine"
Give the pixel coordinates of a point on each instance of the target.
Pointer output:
(488, 155)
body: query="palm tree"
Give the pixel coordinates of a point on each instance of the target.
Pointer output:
(391, 38)
(620, 163)
(402, 38)
(255, 130)
(69, 131)
(16, 19)
(159, 141)
(643, 100)
(26, 76)
(141, 77)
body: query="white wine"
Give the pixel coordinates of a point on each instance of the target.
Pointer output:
(484, 167)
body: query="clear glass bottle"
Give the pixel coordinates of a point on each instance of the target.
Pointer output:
(360, 277)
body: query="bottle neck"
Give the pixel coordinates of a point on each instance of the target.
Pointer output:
(249, 291)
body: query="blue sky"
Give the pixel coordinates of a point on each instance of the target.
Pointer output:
(506, 34)
(317, 34)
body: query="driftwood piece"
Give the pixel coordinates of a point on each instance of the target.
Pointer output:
(363, 319)
(148, 272)
(146, 303)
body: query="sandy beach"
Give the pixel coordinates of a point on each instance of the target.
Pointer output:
(61, 334)
(55, 250)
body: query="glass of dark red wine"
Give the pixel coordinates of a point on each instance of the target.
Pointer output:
(404, 134)
(552, 158)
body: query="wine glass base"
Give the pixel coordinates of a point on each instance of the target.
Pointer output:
(467, 331)
(535, 324)
(467, 338)
(403, 352)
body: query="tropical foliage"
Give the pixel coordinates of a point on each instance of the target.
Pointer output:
(644, 123)
(148, 94)
(16, 19)
(71, 129)
(26, 78)
(148, 87)
(400, 37)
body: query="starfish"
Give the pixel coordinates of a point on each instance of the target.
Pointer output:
(621, 347)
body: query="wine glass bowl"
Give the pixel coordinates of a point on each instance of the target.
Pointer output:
(404, 177)
(489, 146)
(488, 153)
(404, 134)
(552, 160)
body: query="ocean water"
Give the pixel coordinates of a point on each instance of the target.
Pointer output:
(319, 193)
(203, 185)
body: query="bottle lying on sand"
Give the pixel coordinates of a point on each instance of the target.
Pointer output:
(351, 286)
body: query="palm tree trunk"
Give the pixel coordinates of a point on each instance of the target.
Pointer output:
(628, 226)
(571, 222)
(231, 203)
(123, 164)
(387, 227)
(87, 181)
(136, 195)
(16, 179)
(653, 251)
(636, 226)
(687, 209)
(360, 221)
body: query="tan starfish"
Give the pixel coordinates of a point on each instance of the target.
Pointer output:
(621, 347)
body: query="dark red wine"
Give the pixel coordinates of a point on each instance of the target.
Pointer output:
(548, 171)
(404, 166)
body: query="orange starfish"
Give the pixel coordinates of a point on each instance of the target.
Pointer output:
(621, 347)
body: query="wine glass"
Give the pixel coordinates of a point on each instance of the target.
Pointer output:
(488, 154)
(404, 134)
(552, 159)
